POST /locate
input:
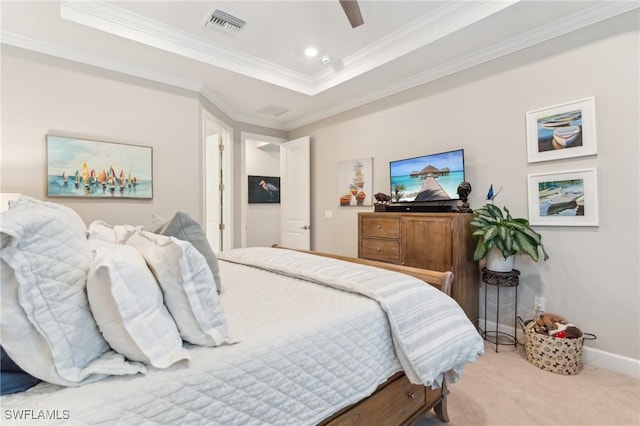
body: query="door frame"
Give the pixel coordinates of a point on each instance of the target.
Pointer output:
(244, 190)
(226, 139)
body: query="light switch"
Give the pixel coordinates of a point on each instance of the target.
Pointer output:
(328, 214)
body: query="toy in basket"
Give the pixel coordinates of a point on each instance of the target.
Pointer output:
(554, 345)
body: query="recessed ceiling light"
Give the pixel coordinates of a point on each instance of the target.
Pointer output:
(326, 60)
(311, 51)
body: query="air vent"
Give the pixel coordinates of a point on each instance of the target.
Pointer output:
(225, 22)
(272, 110)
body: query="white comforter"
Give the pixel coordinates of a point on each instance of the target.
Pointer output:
(305, 351)
(431, 333)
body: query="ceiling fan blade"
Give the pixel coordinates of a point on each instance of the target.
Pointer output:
(352, 10)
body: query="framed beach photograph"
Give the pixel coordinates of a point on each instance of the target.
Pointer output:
(564, 198)
(264, 190)
(562, 131)
(93, 169)
(355, 180)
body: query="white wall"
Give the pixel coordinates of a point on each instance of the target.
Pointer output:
(42, 94)
(592, 277)
(40, 97)
(263, 220)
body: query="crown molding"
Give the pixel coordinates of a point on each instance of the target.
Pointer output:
(117, 21)
(98, 61)
(444, 21)
(88, 58)
(590, 16)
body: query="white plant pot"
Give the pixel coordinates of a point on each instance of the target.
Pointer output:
(497, 263)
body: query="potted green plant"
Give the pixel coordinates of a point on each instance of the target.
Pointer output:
(500, 237)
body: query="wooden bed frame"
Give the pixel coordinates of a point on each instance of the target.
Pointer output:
(396, 401)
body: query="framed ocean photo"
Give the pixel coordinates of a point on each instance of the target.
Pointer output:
(564, 198)
(562, 131)
(86, 168)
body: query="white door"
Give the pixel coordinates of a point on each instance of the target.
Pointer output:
(295, 194)
(218, 171)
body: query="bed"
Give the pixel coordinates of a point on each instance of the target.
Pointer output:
(306, 338)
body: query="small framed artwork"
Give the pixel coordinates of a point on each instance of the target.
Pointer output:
(264, 189)
(94, 169)
(355, 180)
(564, 198)
(562, 131)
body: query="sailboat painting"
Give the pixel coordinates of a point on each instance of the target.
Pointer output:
(94, 169)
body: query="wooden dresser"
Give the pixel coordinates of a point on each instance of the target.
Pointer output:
(437, 241)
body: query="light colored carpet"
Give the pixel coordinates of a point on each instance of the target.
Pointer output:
(505, 389)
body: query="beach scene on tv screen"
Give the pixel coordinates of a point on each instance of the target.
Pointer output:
(428, 178)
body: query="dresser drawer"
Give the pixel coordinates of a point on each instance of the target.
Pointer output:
(380, 249)
(394, 403)
(385, 227)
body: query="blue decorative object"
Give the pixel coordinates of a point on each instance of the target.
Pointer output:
(490, 195)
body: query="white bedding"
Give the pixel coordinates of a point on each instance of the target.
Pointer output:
(431, 333)
(294, 366)
(305, 350)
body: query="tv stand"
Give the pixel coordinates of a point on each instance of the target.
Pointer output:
(436, 241)
(417, 208)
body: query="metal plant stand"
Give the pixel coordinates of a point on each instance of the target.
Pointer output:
(501, 279)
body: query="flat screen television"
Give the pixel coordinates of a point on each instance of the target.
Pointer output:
(433, 177)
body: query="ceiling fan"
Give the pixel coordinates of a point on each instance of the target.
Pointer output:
(352, 10)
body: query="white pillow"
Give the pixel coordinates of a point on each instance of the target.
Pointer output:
(158, 224)
(188, 286)
(127, 304)
(117, 234)
(46, 323)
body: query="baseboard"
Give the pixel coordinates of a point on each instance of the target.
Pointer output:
(595, 357)
(609, 361)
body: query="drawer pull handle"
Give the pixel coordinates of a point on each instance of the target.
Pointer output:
(379, 226)
(412, 395)
(378, 249)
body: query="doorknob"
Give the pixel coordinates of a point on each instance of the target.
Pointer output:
(305, 227)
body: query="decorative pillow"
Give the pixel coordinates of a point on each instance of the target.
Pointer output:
(158, 224)
(188, 287)
(127, 304)
(46, 325)
(116, 234)
(12, 378)
(184, 227)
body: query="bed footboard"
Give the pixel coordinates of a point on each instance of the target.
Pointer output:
(440, 280)
(397, 402)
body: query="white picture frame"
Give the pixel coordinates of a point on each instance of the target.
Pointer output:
(567, 198)
(103, 170)
(562, 131)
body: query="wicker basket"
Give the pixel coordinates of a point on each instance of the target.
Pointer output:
(561, 356)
